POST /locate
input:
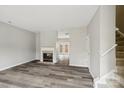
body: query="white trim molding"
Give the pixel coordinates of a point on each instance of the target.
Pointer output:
(48, 49)
(102, 80)
(117, 29)
(108, 50)
(122, 34)
(20, 62)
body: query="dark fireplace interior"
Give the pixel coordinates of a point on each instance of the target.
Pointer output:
(48, 57)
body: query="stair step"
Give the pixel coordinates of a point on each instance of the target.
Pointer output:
(120, 54)
(117, 34)
(120, 73)
(113, 83)
(120, 43)
(120, 48)
(120, 70)
(120, 59)
(119, 38)
(120, 63)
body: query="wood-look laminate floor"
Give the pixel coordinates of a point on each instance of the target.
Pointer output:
(38, 75)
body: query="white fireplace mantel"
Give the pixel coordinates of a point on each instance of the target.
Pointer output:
(48, 50)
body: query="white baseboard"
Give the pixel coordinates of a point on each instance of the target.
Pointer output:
(102, 79)
(91, 73)
(78, 65)
(18, 63)
(95, 79)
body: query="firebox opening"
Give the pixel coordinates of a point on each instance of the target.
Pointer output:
(48, 57)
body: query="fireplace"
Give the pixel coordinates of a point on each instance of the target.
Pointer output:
(48, 57)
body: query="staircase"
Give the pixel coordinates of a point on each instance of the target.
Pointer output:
(116, 79)
(120, 50)
(119, 82)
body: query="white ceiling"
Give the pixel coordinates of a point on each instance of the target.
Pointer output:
(38, 18)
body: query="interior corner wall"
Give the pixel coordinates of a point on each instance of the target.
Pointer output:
(79, 48)
(107, 38)
(94, 37)
(17, 46)
(38, 46)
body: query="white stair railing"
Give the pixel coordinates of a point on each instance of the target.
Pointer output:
(108, 50)
(122, 34)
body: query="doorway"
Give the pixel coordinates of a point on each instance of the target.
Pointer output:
(63, 48)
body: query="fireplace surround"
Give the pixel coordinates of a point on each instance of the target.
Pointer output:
(48, 55)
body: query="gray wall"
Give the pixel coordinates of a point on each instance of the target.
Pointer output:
(48, 38)
(38, 46)
(94, 36)
(102, 37)
(79, 48)
(107, 39)
(16, 46)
